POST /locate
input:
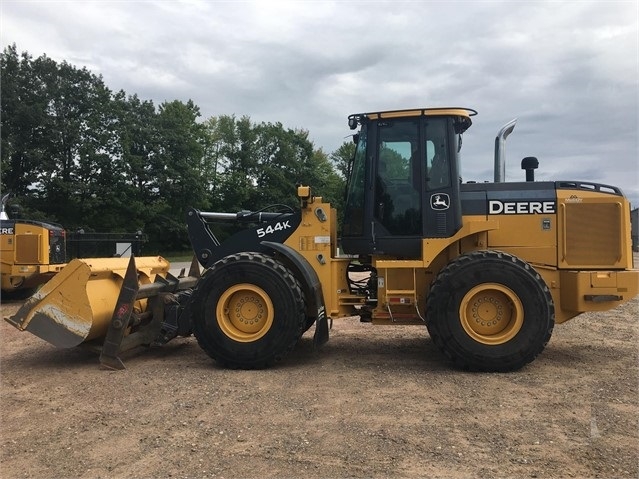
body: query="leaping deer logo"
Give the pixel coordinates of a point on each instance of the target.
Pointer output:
(440, 201)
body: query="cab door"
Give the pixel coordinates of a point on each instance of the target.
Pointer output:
(398, 186)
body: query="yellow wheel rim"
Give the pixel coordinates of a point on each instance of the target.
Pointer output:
(244, 312)
(491, 314)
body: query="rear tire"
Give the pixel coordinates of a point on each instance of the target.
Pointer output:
(490, 311)
(248, 311)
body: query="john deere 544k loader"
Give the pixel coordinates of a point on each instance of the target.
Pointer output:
(488, 268)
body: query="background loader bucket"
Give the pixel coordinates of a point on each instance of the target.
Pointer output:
(77, 305)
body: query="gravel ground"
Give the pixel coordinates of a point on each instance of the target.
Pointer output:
(376, 401)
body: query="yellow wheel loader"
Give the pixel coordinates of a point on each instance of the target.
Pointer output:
(31, 253)
(487, 268)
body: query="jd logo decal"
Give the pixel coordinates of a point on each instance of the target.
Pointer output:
(440, 201)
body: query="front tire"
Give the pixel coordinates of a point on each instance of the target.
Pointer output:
(18, 294)
(248, 311)
(490, 311)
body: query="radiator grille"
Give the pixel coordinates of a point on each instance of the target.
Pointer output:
(592, 234)
(27, 249)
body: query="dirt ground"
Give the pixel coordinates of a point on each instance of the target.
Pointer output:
(373, 402)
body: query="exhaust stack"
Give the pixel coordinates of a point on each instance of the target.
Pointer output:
(3, 213)
(500, 150)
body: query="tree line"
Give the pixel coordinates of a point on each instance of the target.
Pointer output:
(78, 154)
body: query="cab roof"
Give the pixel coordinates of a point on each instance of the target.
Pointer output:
(460, 112)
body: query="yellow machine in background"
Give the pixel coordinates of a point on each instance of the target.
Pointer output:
(31, 252)
(487, 268)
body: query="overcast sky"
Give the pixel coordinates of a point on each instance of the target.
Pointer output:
(568, 71)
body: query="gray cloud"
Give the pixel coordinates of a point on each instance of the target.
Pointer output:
(568, 71)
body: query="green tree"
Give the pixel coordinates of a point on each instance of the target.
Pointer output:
(136, 143)
(55, 134)
(77, 149)
(76, 153)
(342, 158)
(236, 163)
(257, 165)
(326, 181)
(24, 105)
(179, 172)
(284, 158)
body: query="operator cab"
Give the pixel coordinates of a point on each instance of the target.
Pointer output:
(404, 180)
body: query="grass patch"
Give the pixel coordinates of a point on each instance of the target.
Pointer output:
(180, 256)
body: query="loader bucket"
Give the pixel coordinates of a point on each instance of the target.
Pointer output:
(78, 304)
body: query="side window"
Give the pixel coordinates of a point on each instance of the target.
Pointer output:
(437, 159)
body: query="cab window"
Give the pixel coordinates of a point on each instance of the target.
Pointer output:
(437, 158)
(397, 183)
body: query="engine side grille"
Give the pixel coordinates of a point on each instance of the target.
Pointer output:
(592, 234)
(28, 249)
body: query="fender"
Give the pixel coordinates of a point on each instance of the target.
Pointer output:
(311, 286)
